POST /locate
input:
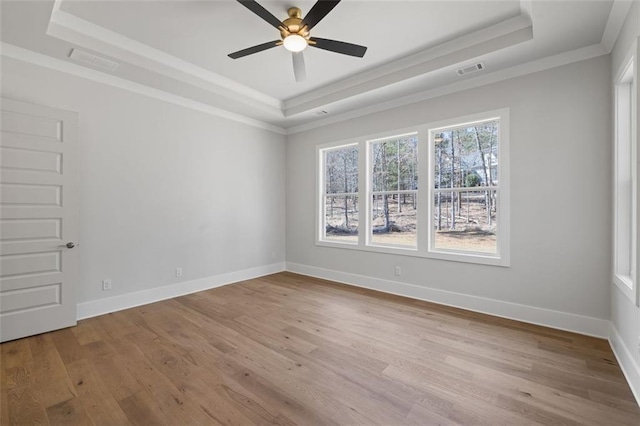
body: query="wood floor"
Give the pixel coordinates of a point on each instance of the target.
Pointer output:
(288, 349)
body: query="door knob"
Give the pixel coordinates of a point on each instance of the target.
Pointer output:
(69, 245)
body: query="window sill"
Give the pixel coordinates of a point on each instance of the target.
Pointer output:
(412, 252)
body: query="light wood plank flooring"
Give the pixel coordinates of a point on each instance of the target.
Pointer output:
(288, 349)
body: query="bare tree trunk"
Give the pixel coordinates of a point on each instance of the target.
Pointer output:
(468, 211)
(453, 178)
(413, 176)
(385, 181)
(461, 182)
(387, 226)
(439, 186)
(331, 186)
(493, 204)
(398, 172)
(346, 189)
(487, 203)
(446, 208)
(487, 176)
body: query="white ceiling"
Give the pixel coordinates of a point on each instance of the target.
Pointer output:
(205, 32)
(414, 47)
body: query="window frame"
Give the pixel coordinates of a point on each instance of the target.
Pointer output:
(321, 185)
(626, 76)
(424, 192)
(371, 193)
(502, 256)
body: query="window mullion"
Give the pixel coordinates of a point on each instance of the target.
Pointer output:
(402, 191)
(466, 189)
(341, 194)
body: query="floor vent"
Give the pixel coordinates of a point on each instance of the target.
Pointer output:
(91, 59)
(471, 68)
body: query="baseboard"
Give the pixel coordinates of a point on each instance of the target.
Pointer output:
(629, 366)
(94, 308)
(555, 319)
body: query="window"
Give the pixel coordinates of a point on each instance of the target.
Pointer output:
(459, 211)
(394, 191)
(340, 198)
(624, 182)
(465, 188)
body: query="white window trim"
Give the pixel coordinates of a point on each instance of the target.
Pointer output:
(370, 192)
(424, 169)
(627, 284)
(320, 194)
(502, 257)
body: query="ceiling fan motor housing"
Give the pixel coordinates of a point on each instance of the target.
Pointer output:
(293, 25)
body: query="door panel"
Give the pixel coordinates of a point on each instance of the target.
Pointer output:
(14, 301)
(30, 194)
(38, 216)
(24, 159)
(30, 229)
(28, 264)
(27, 123)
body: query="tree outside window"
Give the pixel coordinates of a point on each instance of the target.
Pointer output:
(465, 188)
(341, 194)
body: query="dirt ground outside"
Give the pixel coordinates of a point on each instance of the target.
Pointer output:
(477, 241)
(472, 231)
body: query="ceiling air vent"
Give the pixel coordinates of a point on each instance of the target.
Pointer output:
(91, 59)
(471, 68)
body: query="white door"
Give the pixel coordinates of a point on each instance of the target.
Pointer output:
(38, 218)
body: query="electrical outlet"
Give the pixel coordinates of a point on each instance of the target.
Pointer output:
(398, 271)
(106, 284)
(179, 271)
(273, 255)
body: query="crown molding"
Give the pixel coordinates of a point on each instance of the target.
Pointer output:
(618, 14)
(35, 58)
(71, 28)
(506, 33)
(496, 37)
(549, 62)
(78, 31)
(24, 55)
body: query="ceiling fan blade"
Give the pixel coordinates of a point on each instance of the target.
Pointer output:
(256, 8)
(319, 11)
(338, 46)
(299, 69)
(254, 49)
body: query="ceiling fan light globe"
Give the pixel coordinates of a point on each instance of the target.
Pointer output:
(295, 43)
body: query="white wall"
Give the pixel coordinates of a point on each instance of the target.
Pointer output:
(560, 203)
(162, 186)
(625, 316)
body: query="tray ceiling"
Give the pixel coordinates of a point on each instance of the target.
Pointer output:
(203, 33)
(180, 47)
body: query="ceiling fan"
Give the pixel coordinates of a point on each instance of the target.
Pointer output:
(295, 34)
